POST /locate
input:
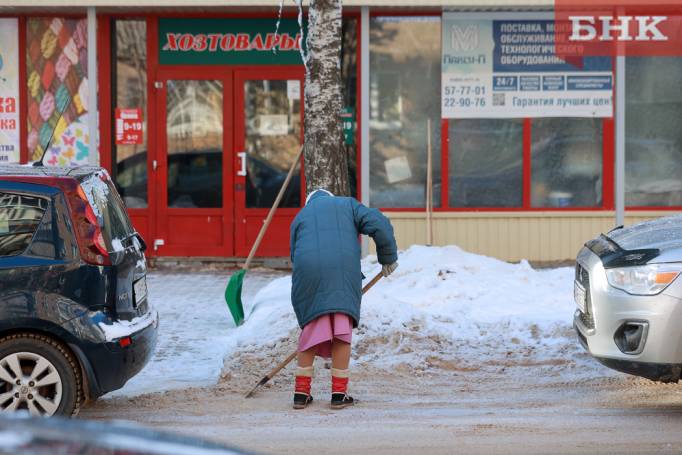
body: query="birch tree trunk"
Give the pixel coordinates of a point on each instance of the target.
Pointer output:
(326, 163)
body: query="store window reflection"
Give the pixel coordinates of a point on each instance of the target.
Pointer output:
(130, 92)
(404, 94)
(486, 163)
(194, 125)
(566, 167)
(273, 139)
(653, 136)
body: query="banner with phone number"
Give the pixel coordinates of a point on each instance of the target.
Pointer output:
(508, 68)
(9, 91)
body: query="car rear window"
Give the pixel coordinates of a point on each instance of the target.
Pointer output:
(109, 209)
(20, 216)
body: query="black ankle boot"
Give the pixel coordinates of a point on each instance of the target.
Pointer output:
(301, 400)
(341, 400)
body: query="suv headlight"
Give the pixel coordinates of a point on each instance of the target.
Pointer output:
(643, 280)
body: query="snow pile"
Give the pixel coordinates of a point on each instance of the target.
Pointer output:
(441, 305)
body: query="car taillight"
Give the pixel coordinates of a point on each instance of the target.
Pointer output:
(89, 233)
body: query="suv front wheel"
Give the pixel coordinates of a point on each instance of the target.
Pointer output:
(39, 375)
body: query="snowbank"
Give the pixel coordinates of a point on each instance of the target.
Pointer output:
(441, 303)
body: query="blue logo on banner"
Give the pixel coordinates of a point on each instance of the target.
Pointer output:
(529, 83)
(553, 83)
(528, 46)
(505, 83)
(589, 83)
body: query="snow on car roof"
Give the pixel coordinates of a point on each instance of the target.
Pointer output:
(48, 171)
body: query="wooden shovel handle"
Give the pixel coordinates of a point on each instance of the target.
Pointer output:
(271, 213)
(374, 281)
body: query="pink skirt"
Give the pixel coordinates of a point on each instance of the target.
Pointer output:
(320, 332)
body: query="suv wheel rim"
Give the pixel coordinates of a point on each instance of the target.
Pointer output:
(29, 381)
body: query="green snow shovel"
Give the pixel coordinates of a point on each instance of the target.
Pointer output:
(292, 356)
(233, 292)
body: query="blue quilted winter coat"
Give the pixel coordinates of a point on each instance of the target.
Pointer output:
(325, 252)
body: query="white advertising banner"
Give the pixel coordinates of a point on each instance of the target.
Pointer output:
(506, 67)
(9, 90)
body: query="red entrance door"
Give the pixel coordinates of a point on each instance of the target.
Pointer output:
(193, 179)
(268, 135)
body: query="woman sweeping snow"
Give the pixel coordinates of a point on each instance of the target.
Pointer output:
(327, 283)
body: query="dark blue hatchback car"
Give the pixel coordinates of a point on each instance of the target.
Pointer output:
(75, 321)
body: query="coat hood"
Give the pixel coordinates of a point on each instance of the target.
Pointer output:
(317, 193)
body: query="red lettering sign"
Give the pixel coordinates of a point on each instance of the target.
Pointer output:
(8, 124)
(8, 105)
(129, 126)
(618, 27)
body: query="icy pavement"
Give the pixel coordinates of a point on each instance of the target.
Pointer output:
(444, 308)
(194, 328)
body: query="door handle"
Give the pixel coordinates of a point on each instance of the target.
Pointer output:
(242, 157)
(158, 243)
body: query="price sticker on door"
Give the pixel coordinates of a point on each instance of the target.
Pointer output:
(129, 127)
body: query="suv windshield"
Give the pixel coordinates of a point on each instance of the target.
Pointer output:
(109, 209)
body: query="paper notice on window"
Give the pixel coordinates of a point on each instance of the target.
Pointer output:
(397, 169)
(9, 91)
(273, 125)
(294, 90)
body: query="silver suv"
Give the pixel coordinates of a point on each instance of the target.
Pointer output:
(629, 299)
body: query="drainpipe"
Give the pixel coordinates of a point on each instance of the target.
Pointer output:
(620, 141)
(93, 155)
(364, 114)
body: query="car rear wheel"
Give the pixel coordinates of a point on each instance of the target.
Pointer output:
(39, 375)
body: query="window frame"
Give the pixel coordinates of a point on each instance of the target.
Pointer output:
(665, 208)
(33, 234)
(608, 156)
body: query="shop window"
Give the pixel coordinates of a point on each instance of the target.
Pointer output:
(653, 137)
(129, 93)
(272, 141)
(349, 65)
(566, 166)
(486, 163)
(194, 125)
(56, 68)
(404, 95)
(9, 91)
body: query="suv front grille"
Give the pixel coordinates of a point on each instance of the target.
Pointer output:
(587, 320)
(583, 277)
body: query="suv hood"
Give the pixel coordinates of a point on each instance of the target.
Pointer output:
(661, 233)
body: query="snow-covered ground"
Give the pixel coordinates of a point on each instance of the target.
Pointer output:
(442, 304)
(455, 352)
(195, 327)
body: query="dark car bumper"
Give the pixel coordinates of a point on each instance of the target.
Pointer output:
(108, 365)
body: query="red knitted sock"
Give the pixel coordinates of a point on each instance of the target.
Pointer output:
(304, 377)
(339, 380)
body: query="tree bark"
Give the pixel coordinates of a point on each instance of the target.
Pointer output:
(326, 163)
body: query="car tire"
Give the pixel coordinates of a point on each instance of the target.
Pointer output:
(61, 376)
